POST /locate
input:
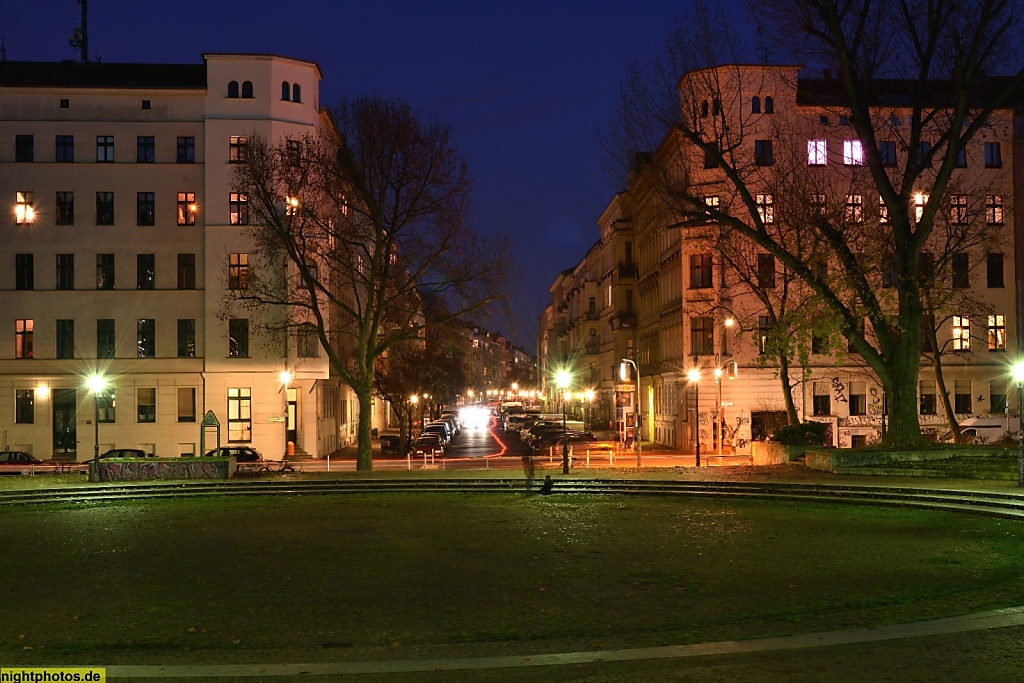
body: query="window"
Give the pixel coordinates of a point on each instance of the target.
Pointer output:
(65, 209)
(296, 92)
(961, 270)
(883, 211)
(247, 90)
(24, 208)
(890, 271)
(187, 208)
(853, 153)
(104, 208)
(710, 159)
(233, 89)
(925, 154)
(105, 341)
(823, 120)
(887, 152)
(24, 271)
(104, 148)
(997, 397)
(994, 209)
(186, 150)
(818, 204)
(238, 149)
(858, 398)
(961, 158)
(763, 153)
(186, 271)
(238, 271)
(23, 338)
(766, 208)
(145, 149)
(240, 414)
(926, 388)
(704, 109)
(65, 271)
(764, 328)
(308, 343)
(755, 105)
(769, 105)
(238, 337)
(713, 204)
(854, 208)
(24, 406)
(146, 404)
(145, 273)
(106, 406)
(286, 91)
(145, 208)
(993, 155)
(65, 339)
(186, 404)
(700, 271)
(146, 337)
(997, 332)
(293, 152)
(962, 396)
(765, 271)
(24, 148)
(995, 270)
(817, 152)
(716, 107)
(702, 336)
(65, 148)
(920, 201)
(822, 401)
(186, 338)
(961, 333)
(238, 207)
(147, 104)
(104, 271)
(958, 209)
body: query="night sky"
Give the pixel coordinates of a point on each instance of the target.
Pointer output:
(525, 85)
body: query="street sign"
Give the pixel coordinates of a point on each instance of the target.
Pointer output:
(726, 404)
(275, 418)
(210, 420)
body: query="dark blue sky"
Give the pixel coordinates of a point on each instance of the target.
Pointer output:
(525, 85)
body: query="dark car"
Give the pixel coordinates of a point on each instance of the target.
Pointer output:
(14, 462)
(555, 439)
(241, 454)
(441, 429)
(126, 453)
(427, 444)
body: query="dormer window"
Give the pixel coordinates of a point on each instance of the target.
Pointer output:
(286, 91)
(296, 93)
(247, 90)
(233, 89)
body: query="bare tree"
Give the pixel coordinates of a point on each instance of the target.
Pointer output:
(370, 219)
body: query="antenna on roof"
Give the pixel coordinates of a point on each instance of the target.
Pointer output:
(79, 38)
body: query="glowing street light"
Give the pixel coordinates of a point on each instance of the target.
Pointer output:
(97, 384)
(1018, 377)
(562, 380)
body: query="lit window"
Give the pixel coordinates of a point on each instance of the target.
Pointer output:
(997, 333)
(958, 209)
(766, 208)
(238, 149)
(23, 338)
(961, 333)
(817, 152)
(238, 207)
(24, 209)
(854, 208)
(920, 200)
(240, 414)
(883, 211)
(238, 271)
(853, 153)
(994, 209)
(819, 204)
(187, 208)
(293, 152)
(291, 206)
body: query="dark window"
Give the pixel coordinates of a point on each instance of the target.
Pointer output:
(927, 403)
(296, 93)
(105, 148)
(764, 328)
(186, 404)
(145, 151)
(997, 397)
(186, 271)
(822, 399)
(24, 271)
(24, 148)
(961, 272)
(24, 406)
(887, 152)
(65, 339)
(700, 271)
(702, 336)
(961, 158)
(187, 338)
(962, 396)
(146, 403)
(710, 159)
(925, 266)
(755, 105)
(817, 344)
(106, 406)
(23, 334)
(927, 330)
(147, 104)
(186, 150)
(104, 271)
(247, 90)
(145, 271)
(65, 103)
(233, 89)
(716, 107)
(858, 398)
(65, 271)
(993, 155)
(763, 153)
(65, 148)
(307, 342)
(995, 270)
(769, 105)
(238, 271)
(104, 208)
(765, 271)
(294, 152)
(105, 341)
(925, 154)
(238, 337)
(146, 337)
(145, 208)
(238, 149)
(65, 208)
(844, 120)
(286, 90)
(704, 109)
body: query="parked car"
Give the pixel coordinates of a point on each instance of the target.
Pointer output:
(441, 429)
(555, 439)
(242, 454)
(13, 462)
(427, 444)
(126, 453)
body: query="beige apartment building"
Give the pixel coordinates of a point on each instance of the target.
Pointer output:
(123, 236)
(693, 311)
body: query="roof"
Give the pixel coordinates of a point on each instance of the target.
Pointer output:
(897, 93)
(72, 74)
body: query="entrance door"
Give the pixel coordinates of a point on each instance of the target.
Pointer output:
(65, 418)
(291, 429)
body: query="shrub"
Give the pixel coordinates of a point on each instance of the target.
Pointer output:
(805, 434)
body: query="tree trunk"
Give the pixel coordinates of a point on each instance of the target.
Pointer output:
(787, 390)
(940, 387)
(900, 384)
(364, 452)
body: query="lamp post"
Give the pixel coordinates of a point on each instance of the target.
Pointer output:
(286, 379)
(694, 376)
(1018, 377)
(97, 385)
(562, 378)
(589, 396)
(636, 427)
(413, 400)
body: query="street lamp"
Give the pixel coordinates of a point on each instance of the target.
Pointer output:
(694, 376)
(562, 379)
(1018, 377)
(413, 400)
(589, 396)
(97, 385)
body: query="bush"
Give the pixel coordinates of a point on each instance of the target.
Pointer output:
(805, 434)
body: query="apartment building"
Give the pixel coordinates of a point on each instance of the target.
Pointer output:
(124, 236)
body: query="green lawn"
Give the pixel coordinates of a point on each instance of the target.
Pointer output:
(332, 578)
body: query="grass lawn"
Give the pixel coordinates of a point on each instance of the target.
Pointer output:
(333, 578)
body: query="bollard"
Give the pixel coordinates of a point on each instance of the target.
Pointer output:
(408, 459)
(588, 458)
(611, 457)
(328, 463)
(551, 453)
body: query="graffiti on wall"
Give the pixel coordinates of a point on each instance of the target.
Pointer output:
(142, 470)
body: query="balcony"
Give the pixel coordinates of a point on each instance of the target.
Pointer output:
(627, 271)
(592, 315)
(625, 319)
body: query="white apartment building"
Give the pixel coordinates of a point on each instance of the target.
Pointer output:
(123, 235)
